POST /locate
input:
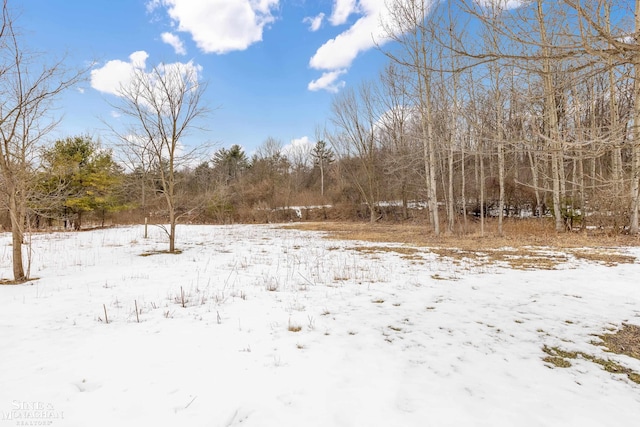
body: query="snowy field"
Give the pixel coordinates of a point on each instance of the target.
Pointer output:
(263, 326)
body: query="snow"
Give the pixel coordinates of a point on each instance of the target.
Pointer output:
(383, 340)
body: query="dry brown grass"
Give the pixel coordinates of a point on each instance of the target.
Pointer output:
(561, 358)
(526, 244)
(405, 251)
(517, 233)
(625, 341)
(603, 255)
(10, 282)
(520, 259)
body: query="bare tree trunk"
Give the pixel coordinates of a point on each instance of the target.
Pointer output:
(430, 170)
(501, 167)
(551, 120)
(616, 160)
(499, 134)
(533, 163)
(171, 199)
(321, 163)
(581, 192)
(405, 202)
(452, 145)
(17, 236)
(172, 233)
(463, 190)
(482, 194)
(578, 167)
(635, 146)
(428, 146)
(451, 201)
(635, 143)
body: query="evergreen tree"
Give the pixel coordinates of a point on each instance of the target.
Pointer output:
(231, 163)
(85, 177)
(322, 157)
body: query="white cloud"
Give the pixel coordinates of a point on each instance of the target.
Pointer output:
(175, 42)
(341, 11)
(220, 26)
(328, 82)
(336, 55)
(139, 59)
(298, 150)
(303, 143)
(115, 73)
(314, 22)
(513, 4)
(363, 35)
(627, 39)
(501, 4)
(152, 5)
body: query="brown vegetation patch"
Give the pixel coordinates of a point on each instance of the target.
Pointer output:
(517, 234)
(625, 341)
(460, 254)
(560, 359)
(524, 262)
(10, 282)
(402, 250)
(149, 253)
(527, 245)
(604, 256)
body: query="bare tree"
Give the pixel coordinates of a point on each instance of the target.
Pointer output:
(616, 46)
(411, 30)
(136, 156)
(399, 148)
(356, 118)
(27, 89)
(164, 105)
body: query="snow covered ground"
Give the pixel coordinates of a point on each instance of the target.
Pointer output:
(285, 328)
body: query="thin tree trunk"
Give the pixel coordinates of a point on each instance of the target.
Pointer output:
(17, 235)
(500, 146)
(581, 191)
(452, 144)
(534, 178)
(321, 178)
(429, 154)
(551, 121)
(463, 189)
(616, 155)
(172, 234)
(451, 204)
(635, 161)
(424, 80)
(635, 142)
(501, 167)
(482, 194)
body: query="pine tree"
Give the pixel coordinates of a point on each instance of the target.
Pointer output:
(85, 177)
(231, 162)
(322, 157)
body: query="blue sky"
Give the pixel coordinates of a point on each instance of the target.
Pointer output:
(270, 71)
